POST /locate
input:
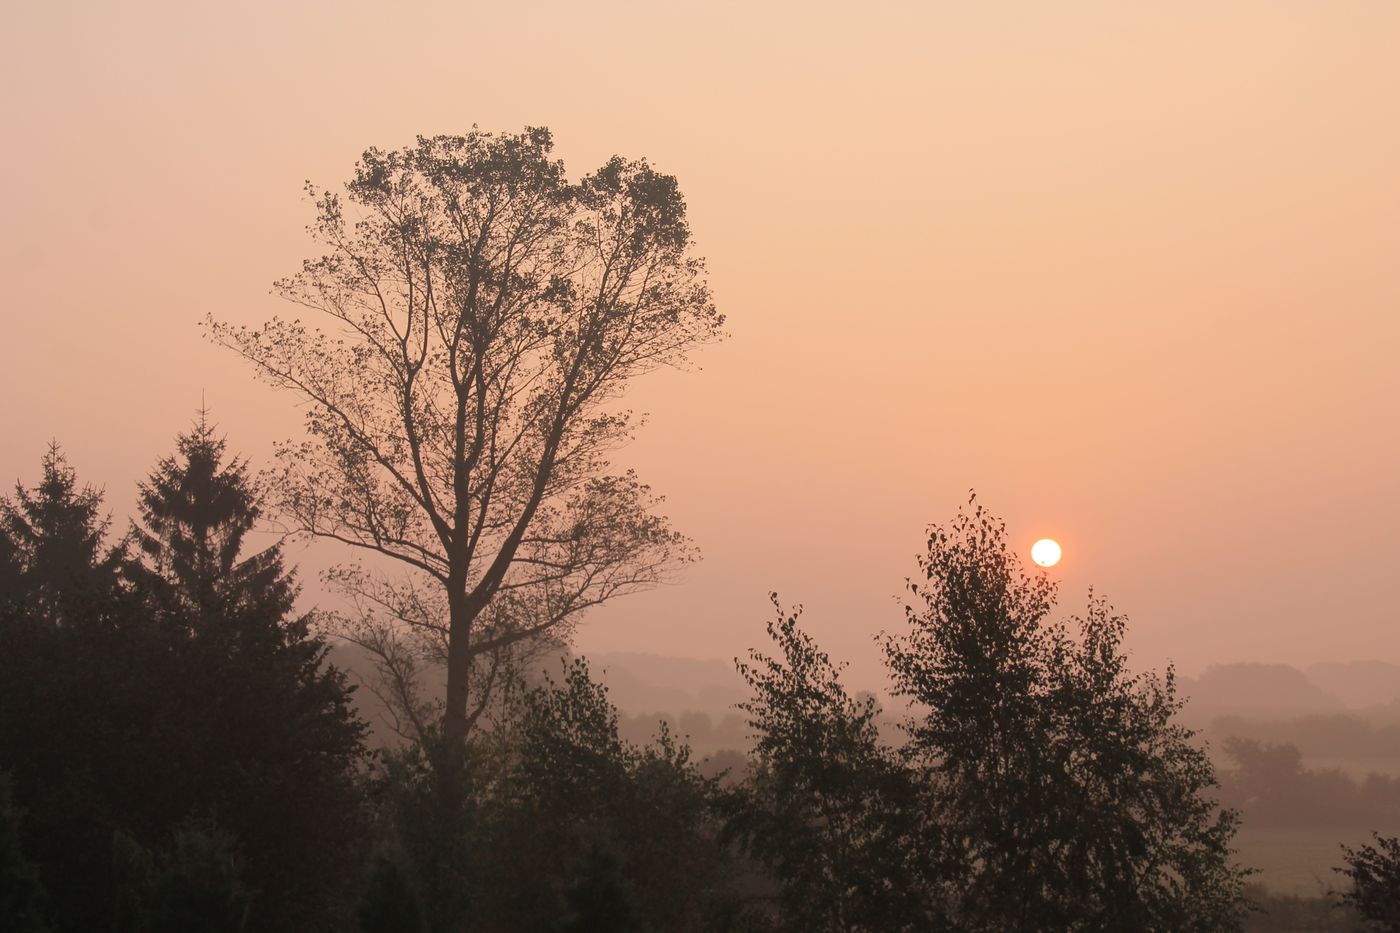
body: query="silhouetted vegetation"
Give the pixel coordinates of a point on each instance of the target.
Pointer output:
(195, 886)
(145, 686)
(183, 757)
(1039, 786)
(23, 901)
(485, 313)
(1374, 873)
(178, 753)
(562, 823)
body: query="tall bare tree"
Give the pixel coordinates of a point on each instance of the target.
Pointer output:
(484, 314)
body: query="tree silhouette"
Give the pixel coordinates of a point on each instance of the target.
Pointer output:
(1040, 786)
(565, 825)
(486, 314)
(283, 732)
(196, 511)
(1374, 873)
(54, 544)
(81, 675)
(192, 886)
(598, 898)
(1075, 798)
(390, 903)
(130, 703)
(831, 811)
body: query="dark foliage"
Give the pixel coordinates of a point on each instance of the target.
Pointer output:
(196, 512)
(282, 774)
(23, 901)
(1374, 873)
(183, 758)
(428, 829)
(1041, 786)
(599, 900)
(192, 886)
(562, 825)
(390, 903)
(134, 697)
(58, 567)
(1077, 800)
(829, 810)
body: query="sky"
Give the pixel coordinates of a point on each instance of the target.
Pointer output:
(1128, 270)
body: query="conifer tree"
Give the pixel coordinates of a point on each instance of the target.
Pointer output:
(60, 565)
(278, 718)
(197, 509)
(142, 690)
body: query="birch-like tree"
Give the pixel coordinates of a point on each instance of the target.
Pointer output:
(479, 318)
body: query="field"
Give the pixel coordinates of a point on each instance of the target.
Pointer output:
(1295, 862)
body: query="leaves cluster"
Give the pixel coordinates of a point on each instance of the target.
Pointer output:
(1374, 875)
(566, 826)
(1040, 785)
(484, 314)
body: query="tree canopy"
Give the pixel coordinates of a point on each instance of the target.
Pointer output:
(196, 511)
(484, 315)
(1039, 785)
(1374, 875)
(142, 698)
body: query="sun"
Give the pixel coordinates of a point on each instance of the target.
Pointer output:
(1046, 552)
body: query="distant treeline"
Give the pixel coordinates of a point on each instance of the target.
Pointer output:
(1266, 779)
(1355, 742)
(700, 730)
(1271, 789)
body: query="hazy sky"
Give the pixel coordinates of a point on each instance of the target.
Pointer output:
(1131, 270)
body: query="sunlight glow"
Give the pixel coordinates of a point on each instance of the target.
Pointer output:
(1046, 552)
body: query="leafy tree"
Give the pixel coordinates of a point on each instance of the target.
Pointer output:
(1040, 786)
(390, 904)
(566, 826)
(831, 811)
(194, 886)
(433, 843)
(1374, 873)
(598, 900)
(1077, 800)
(485, 316)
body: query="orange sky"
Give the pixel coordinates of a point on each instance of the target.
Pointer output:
(1129, 269)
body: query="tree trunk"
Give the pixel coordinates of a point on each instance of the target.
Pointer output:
(454, 715)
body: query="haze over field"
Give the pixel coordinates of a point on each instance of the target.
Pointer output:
(1127, 269)
(1082, 316)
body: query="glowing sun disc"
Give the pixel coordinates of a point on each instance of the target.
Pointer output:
(1046, 552)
